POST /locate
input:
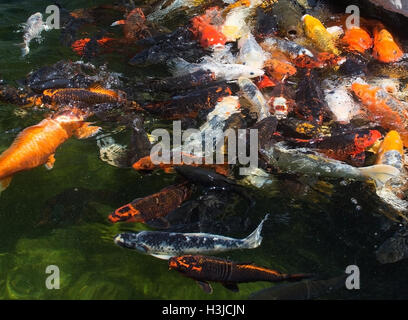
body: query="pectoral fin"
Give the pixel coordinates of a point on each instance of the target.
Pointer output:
(205, 286)
(168, 170)
(86, 131)
(231, 286)
(4, 183)
(50, 162)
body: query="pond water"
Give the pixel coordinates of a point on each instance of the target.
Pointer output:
(59, 217)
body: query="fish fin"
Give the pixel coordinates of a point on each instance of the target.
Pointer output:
(97, 88)
(86, 131)
(50, 162)
(117, 23)
(178, 66)
(254, 239)
(205, 286)
(162, 256)
(168, 170)
(231, 286)
(159, 223)
(25, 49)
(4, 183)
(357, 159)
(380, 173)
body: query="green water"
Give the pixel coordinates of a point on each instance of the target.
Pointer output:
(58, 217)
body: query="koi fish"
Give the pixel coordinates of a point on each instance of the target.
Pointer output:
(208, 34)
(266, 24)
(163, 11)
(391, 152)
(214, 126)
(190, 80)
(164, 245)
(385, 48)
(134, 27)
(357, 39)
(289, 48)
(203, 269)
(279, 69)
(234, 26)
(36, 145)
(339, 101)
(250, 52)
(189, 105)
(254, 96)
(222, 71)
(305, 161)
(90, 96)
(383, 108)
(32, 30)
(310, 103)
(317, 33)
(154, 206)
(179, 43)
(79, 45)
(302, 129)
(348, 147)
(146, 164)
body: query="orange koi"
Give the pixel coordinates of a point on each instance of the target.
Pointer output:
(36, 145)
(279, 69)
(357, 39)
(79, 45)
(209, 35)
(383, 108)
(391, 150)
(385, 48)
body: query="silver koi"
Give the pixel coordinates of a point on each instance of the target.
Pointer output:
(32, 30)
(306, 161)
(164, 245)
(255, 97)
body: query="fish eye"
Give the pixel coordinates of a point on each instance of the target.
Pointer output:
(251, 73)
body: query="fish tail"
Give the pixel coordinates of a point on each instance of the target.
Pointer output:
(25, 49)
(178, 66)
(380, 173)
(4, 183)
(254, 239)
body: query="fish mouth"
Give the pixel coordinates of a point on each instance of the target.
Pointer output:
(128, 240)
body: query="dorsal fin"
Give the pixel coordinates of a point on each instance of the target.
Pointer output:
(97, 88)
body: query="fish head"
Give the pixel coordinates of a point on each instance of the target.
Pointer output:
(70, 119)
(126, 213)
(130, 240)
(392, 141)
(385, 49)
(186, 263)
(144, 164)
(251, 72)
